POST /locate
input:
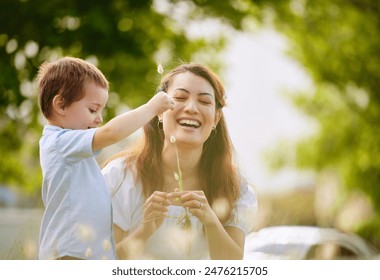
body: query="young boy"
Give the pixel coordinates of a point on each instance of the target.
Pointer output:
(77, 222)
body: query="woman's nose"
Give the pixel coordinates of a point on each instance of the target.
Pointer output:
(191, 106)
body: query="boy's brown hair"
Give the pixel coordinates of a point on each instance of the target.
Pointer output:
(65, 77)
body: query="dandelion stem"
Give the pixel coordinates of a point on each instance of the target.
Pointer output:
(184, 220)
(179, 171)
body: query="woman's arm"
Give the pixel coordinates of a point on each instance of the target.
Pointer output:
(225, 243)
(130, 245)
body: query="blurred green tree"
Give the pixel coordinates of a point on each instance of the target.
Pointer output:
(338, 43)
(125, 39)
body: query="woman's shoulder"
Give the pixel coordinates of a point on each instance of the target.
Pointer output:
(118, 162)
(243, 215)
(247, 194)
(117, 175)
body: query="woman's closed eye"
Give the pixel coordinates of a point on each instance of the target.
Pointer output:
(202, 101)
(179, 98)
(206, 102)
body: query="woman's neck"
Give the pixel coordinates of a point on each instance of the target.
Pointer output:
(189, 160)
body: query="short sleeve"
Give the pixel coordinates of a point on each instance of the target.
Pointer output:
(244, 213)
(127, 199)
(74, 145)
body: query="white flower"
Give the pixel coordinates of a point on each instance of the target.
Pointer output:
(172, 139)
(160, 69)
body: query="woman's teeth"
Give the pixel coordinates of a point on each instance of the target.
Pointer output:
(192, 123)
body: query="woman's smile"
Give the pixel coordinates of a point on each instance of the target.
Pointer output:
(189, 123)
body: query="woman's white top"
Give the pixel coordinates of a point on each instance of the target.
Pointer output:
(169, 241)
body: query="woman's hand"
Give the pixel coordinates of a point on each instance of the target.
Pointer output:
(197, 204)
(130, 245)
(223, 242)
(155, 209)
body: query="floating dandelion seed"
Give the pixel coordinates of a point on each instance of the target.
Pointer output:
(160, 69)
(88, 253)
(29, 249)
(106, 245)
(176, 176)
(85, 232)
(220, 207)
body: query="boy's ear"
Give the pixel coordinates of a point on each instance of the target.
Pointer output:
(59, 105)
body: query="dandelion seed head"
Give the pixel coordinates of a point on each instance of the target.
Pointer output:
(172, 139)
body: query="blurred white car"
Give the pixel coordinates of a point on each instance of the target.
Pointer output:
(306, 242)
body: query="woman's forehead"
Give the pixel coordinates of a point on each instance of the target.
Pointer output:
(191, 83)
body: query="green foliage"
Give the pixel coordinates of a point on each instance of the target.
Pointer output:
(338, 42)
(126, 39)
(370, 231)
(346, 141)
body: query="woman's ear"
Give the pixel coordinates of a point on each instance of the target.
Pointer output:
(218, 115)
(59, 105)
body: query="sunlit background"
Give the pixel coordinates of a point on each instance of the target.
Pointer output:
(301, 78)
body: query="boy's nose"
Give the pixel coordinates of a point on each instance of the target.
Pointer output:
(99, 119)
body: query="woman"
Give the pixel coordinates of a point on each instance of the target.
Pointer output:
(154, 218)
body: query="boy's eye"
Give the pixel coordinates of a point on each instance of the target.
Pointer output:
(92, 111)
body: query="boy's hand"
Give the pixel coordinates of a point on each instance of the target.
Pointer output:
(161, 102)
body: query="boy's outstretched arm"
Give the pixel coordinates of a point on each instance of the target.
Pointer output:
(125, 124)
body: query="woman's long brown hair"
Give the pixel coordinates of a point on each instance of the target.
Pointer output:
(218, 174)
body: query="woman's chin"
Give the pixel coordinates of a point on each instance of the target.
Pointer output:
(188, 139)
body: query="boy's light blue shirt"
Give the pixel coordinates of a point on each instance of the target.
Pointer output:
(78, 216)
